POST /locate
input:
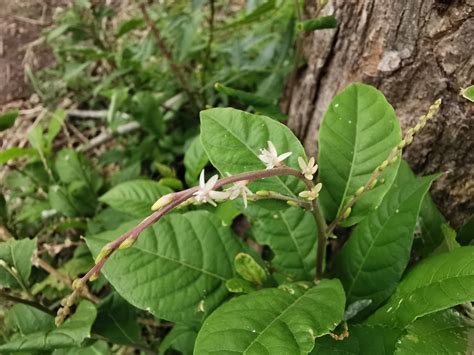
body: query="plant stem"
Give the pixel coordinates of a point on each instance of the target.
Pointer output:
(322, 235)
(179, 198)
(27, 302)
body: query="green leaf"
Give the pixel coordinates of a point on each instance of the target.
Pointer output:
(54, 127)
(195, 159)
(26, 319)
(232, 140)
(117, 321)
(445, 332)
(430, 222)
(358, 132)
(318, 23)
(180, 338)
(436, 283)
(60, 201)
(466, 233)
(449, 242)
(71, 333)
(246, 97)
(7, 120)
(98, 347)
(468, 93)
(253, 16)
(177, 268)
(36, 139)
(129, 25)
(135, 197)
(363, 339)
(273, 321)
(72, 166)
(13, 153)
(372, 261)
(249, 269)
(292, 236)
(16, 254)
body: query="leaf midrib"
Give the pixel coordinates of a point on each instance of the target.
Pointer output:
(189, 266)
(298, 299)
(293, 238)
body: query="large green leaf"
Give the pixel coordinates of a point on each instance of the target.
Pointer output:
(117, 321)
(71, 333)
(372, 261)
(445, 332)
(178, 267)
(232, 140)
(195, 159)
(436, 283)
(273, 321)
(291, 234)
(26, 319)
(135, 197)
(363, 339)
(430, 222)
(358, 132)
(73, 166)
(180, 338)
(16, 254)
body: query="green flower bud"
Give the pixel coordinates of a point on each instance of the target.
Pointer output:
(249, 269)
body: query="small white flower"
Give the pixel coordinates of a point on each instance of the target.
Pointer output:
(270, 156)
(308, 169)
(312, 194)
(239, 189)
(206, 194)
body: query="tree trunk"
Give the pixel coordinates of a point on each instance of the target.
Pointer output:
(414, 51)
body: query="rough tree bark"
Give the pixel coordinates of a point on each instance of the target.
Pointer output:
(414, 51)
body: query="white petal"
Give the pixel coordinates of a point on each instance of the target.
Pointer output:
(301, 163)
(284, 156)
(202, 182)
(311, 162)
(211, 182)
(272, 149)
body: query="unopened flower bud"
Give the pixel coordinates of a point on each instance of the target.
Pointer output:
(372, 184)
(263, 193)
(127, 243)
(359, 191)
(409, 140)
(105, 252)
(163, 201)
(383, 165)
(292, 203)
(77, 284)
(347, 213)
(393, 160)
(94, 276)
(3, 263)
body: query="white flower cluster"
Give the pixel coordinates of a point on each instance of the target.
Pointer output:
(206, 192)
